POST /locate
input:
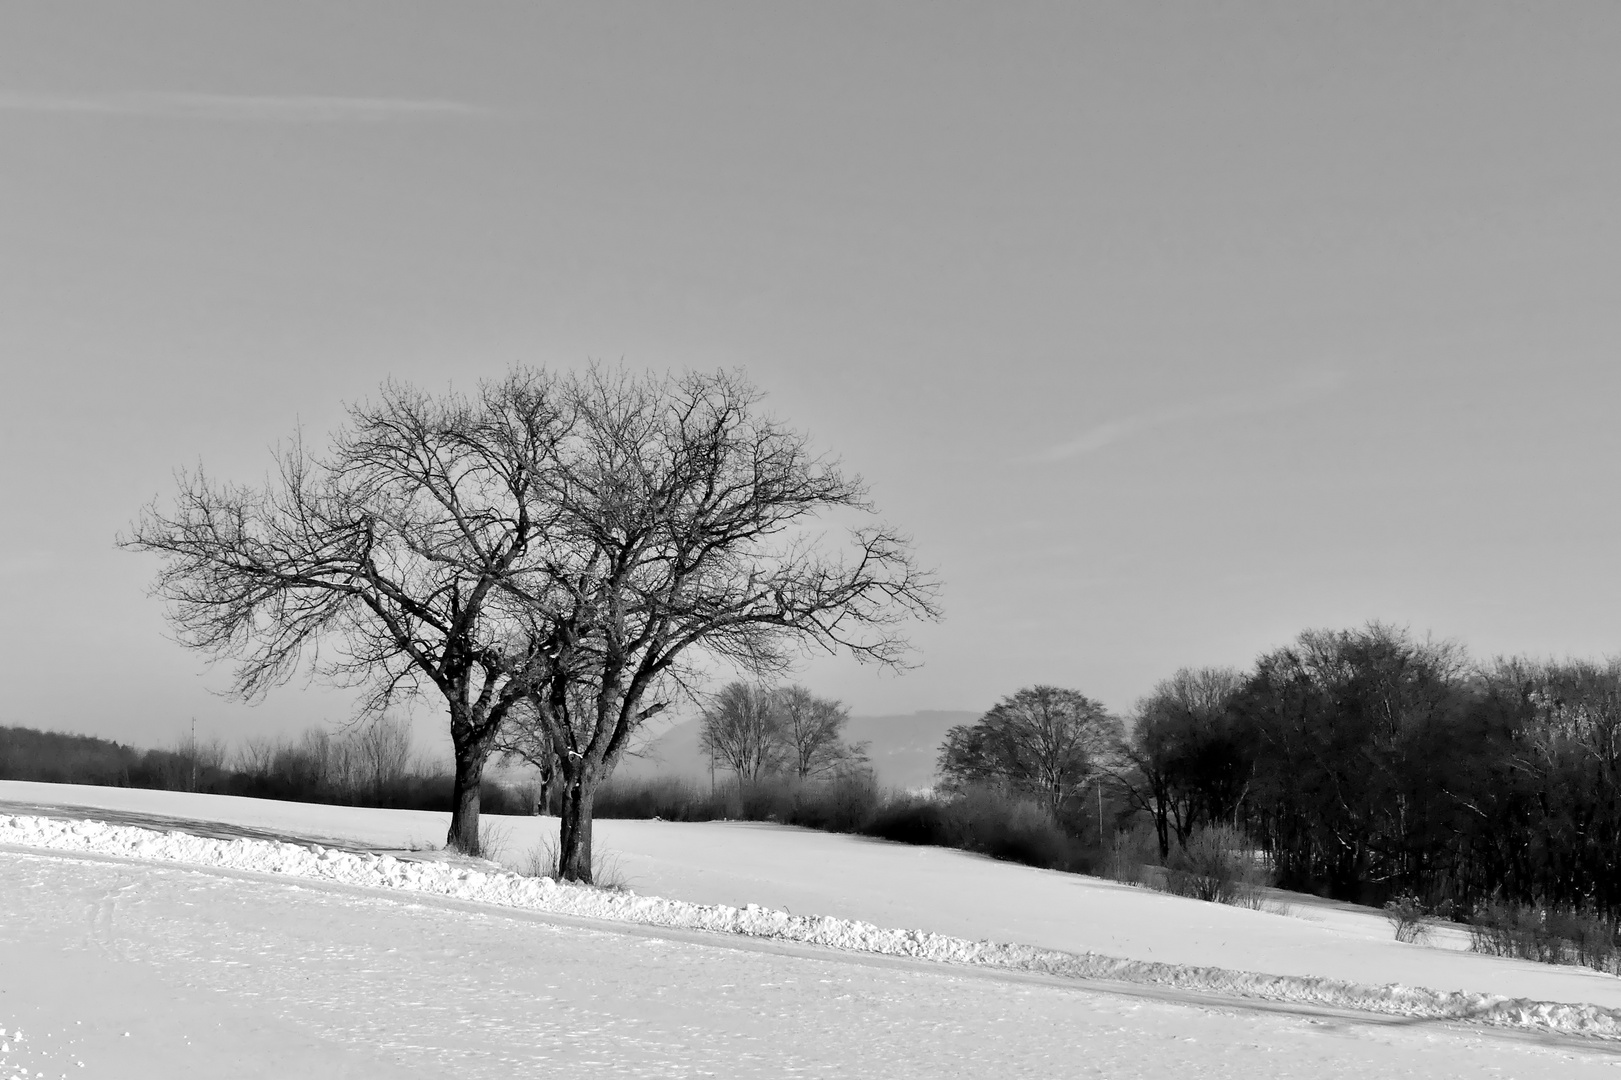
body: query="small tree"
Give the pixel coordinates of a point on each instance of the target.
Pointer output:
(742, 730)
(812, 732)
(383, 754)
(1043, 740)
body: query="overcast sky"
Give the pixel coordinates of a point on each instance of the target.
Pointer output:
(1167, 330)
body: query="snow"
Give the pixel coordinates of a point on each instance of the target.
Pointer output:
(143, 969)
(957, 941)
(945, 892)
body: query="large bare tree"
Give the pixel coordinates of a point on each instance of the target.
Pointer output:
(386, 561)
(688, 528)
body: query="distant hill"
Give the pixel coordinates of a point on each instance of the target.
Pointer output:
(903, 749)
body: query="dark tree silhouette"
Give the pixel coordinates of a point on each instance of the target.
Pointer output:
(1043, 740)
(389, 561)
(1188, 760)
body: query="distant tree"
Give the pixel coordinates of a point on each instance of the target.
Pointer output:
(382, 750)
(1359, 735)
(812, 732)
(1188, 763)
(741, 730)
(1043, 740)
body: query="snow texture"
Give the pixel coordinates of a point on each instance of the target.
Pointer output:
(544, 895)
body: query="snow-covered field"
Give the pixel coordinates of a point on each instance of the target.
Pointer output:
(246, 955)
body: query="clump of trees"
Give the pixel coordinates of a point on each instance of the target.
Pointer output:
(1368, 765)
(757, 731)
(553, 557)
(1187, 763)
(1363, 764)
(372, 764)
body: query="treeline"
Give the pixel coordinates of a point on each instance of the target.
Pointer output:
(373, 765)
(1369, 765)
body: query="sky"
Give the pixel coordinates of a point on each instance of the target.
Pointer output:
(1167, 331)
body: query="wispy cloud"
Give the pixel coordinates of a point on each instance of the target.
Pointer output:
(1303, 388)
(276, 108)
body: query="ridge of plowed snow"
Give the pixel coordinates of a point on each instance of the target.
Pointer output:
(506, 889)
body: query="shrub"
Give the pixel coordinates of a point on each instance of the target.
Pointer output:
(986, 820)
(844, 804)
(667, 798)
(1220, 864)
(1008, 827)
(1550, 935)
(910, 819)
(1409, 918)
(1131, 855)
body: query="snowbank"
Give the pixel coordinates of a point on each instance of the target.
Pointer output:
(545, 895)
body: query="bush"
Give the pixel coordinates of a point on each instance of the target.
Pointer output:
(1550, 935)
(845, 804)
(985, 820)
(1218, 863)
(919, 820)
(988, 821)
(1409, 918)
(1130, 855)
(665, 798)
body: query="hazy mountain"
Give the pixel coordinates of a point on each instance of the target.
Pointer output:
(903, 749)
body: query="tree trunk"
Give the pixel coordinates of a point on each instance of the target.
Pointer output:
(464, 799)
(574, 830)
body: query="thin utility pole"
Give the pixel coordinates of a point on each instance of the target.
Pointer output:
(193, 754)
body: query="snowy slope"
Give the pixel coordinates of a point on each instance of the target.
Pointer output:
(125, 970)
(490, 885)
(929, 889)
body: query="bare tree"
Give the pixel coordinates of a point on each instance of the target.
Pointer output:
(683, 529)
(742, 730)
(383, 753)
(197, 758)
(256, 757)
(1182, 767)
(1044, 740)
(381, 563)
(812, 732)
